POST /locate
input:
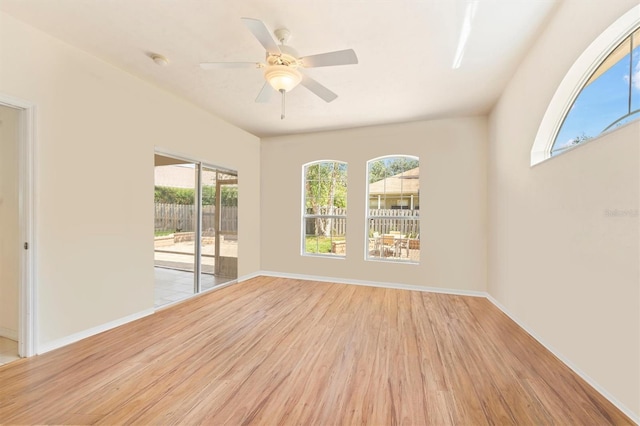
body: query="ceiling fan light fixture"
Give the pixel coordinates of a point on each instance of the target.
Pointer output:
(282, 77)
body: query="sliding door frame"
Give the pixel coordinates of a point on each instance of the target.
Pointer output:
(197, 249)
(199, 166)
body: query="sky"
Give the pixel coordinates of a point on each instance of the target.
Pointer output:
(602, 102)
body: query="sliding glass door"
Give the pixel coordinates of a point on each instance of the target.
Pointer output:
(196, 219)
(219, 233)
(175, 227)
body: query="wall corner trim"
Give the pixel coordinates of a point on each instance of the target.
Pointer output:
(55, 344)
(633, 416)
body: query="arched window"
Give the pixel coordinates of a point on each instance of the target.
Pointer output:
(610, 98)
(600, 93)
(393, 222)
(324, 209)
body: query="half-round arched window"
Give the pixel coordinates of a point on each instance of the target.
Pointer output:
(600, 93)
(610, 98)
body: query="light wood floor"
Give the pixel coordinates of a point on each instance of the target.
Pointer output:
(271, 351)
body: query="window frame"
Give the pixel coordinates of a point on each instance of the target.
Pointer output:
(369, 216)
(305, 216)
(575, 80)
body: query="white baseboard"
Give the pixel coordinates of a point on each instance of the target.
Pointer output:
(193, 296)
(49, 346)
(9, 333)
(398, 286)
(249, 276)
(633, 416)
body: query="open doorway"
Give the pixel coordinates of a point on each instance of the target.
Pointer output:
(16, 224)
(10, 241)
(196, 220)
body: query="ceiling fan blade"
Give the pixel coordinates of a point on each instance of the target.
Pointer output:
(222, 65)
(265, 93)
(317, 88)
(260, 31)
(340, 57)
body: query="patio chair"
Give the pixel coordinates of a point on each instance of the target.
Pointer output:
(388, 245)
(374, 244)
(403, 244)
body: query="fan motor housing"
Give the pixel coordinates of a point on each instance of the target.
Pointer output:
(288, 57)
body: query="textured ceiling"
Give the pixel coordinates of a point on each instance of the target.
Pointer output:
(406, 49)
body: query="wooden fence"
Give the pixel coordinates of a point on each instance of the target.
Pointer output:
(382, 221)
(313, 226)
(181, 218)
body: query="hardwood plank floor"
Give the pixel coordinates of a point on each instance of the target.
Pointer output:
(283, 351)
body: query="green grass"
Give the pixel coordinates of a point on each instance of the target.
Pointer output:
(162, 233)
(318, 244)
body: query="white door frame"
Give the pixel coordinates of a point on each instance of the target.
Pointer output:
(26, 193)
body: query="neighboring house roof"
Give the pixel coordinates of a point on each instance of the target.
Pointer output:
(406, 183)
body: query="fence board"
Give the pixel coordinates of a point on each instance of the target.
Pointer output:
(181, 218)
(383, 221)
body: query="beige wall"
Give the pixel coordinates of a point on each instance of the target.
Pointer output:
(559, 260)
(452, 157)
(9, 230)
(556, 261)
(97, 127)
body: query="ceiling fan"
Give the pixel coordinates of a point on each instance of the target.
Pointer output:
(283, 67)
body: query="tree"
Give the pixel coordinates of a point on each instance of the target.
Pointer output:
(382, 169)
(171, 195)
(377, 171)
(229, 196)
(325, 190)
(401, 164)
(579, 139)
(208, 195)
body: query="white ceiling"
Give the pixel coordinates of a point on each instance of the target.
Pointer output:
(405, 48)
